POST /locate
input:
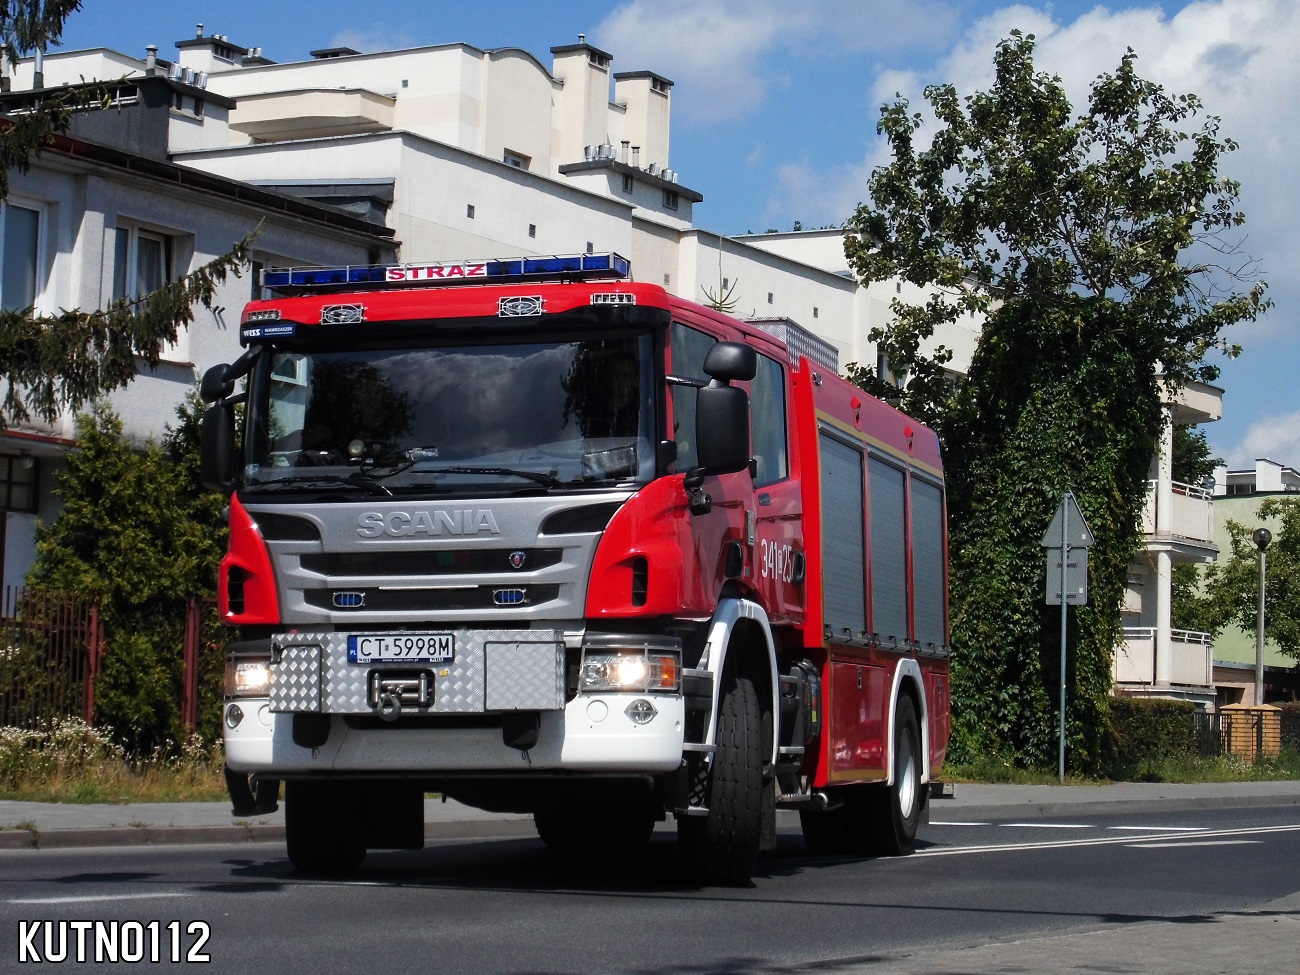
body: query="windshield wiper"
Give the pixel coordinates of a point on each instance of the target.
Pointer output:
(355, 480)
(544, 478)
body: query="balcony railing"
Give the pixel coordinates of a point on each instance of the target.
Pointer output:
(1191, 512)
(1191, 658)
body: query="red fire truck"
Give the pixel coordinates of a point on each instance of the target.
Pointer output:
(544, 540)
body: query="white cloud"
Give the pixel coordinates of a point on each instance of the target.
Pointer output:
(1274, 437)
(726, 54)
(372, 39)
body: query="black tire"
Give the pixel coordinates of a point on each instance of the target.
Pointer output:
(829, 833)
(722, 847)
(893, 812)
(320, 834)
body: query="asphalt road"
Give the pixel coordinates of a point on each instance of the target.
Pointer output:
(1214, 888)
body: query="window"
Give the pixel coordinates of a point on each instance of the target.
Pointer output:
(532, 230)
(844, 591)
(769, 297)
(18, 479)
(21, 257)
(141, 262)
(469, 210)
(687, 349)
(898, 287)
(726, 283)
(887, 490)
(668, 279)
(767, 412)
(670, 199)
(591, 248)
(628, 183)
(516, 159)
(814, 311)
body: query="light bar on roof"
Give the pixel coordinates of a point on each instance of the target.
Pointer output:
(572, 267)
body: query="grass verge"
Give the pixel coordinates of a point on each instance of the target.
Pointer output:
(69, 761)
(1185, 768)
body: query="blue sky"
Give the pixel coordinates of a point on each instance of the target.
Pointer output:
(775, 103)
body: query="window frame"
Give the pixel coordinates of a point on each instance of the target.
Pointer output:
(40, 277)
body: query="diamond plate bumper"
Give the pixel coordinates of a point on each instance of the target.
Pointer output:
(493, 670)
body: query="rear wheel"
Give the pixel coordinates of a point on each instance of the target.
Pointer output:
(893, 812)
(320, 832)
(721, 848)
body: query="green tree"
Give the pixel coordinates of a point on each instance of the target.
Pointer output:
(49, 363)
(138, 533)
(1085, 243)
(1231, 588)
(1192, 461)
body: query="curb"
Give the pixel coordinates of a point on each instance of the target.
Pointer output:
(62, 839)
(1102, 807)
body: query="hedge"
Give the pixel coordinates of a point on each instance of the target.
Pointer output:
(1148, 729)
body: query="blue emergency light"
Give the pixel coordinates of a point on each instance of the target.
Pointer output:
(575, 267)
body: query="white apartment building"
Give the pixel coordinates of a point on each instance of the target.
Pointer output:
(1178, 527)
(438, 152)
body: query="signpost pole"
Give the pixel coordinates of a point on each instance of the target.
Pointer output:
(1065, 608)
(1068, 532)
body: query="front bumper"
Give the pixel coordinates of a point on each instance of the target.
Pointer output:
(592, 733)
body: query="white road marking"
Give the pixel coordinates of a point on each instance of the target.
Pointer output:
(1096, 841)
(1166, 846)
(1163, 829)
(89, 898)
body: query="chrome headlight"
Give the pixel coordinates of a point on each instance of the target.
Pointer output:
(248, 678)
(629, 670)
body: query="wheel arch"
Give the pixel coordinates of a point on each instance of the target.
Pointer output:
(909, 682)
(737, 624)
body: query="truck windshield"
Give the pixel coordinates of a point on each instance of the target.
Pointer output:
(499, 417)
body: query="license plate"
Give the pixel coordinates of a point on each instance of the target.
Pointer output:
(364, 648)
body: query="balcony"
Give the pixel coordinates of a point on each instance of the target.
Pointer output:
(1191, 518)
(1191, 662)
(312, 114)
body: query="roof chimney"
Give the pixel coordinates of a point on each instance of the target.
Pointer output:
(151, 59)
(582, 38)
(198, 30)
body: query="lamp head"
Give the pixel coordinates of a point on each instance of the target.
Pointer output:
(1262, 537)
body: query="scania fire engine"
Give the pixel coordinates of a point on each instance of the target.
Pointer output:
(545, 540)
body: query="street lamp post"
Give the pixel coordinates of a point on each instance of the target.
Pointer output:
(1261, 536)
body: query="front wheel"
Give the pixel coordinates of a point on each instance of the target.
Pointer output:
(722, 847)
(320, 833)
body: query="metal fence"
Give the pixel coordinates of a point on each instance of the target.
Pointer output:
(1208, 731)
(51, 644)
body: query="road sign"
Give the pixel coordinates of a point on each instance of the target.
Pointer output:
(1068, 527)
(1076, 577)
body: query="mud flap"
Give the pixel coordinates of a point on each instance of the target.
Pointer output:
(767, 830)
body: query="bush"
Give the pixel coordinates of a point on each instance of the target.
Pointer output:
(1147, 732)
(138, 533)
(1290, 725)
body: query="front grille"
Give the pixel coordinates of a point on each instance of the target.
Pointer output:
(495, 562)
(433, 600)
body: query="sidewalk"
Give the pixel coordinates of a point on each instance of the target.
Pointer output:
(24, 825)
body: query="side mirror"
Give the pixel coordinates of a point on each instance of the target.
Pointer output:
(731, 361)
(215, 385)
(217, 448)
(722, 429)
(721, 420)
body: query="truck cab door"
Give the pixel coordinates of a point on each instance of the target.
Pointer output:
(778, 553)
